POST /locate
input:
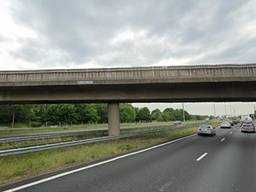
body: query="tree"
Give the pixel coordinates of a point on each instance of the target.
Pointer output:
(178, 115)
(156, 115)
(15, 113)
(6, 114)
(60, 114)
(86, 113)
(143, 114)
(136, 112)
(102, 113)
(168, 114)
(54, 114)
(127, 113)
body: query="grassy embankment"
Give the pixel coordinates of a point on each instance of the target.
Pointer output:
(13, 168)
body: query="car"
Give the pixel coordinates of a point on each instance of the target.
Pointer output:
(206, 130)
(225, 125)
(247, 126)
(177, 123)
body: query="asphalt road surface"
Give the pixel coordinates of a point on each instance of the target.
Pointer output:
(224, 163)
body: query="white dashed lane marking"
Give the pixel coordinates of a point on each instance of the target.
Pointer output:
(201, 157)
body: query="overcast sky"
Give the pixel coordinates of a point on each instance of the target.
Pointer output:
(37, 34)
(230, 109)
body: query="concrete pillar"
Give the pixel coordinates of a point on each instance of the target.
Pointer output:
(113, 119)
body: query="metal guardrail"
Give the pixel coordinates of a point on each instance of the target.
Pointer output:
(37, 148)
(51, 135)
(23, 150)
(47, 135)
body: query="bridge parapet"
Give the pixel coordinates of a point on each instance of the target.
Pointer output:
(168, 74)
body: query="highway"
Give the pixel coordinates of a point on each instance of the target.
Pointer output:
(224, 163)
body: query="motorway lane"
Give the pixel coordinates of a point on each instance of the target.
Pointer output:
(231, 168)
(227, 166)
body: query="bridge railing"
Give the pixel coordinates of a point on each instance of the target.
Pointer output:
(146, 73)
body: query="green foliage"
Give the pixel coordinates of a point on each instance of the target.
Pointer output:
(156, 115)
(20, 113)
(127, 113)
(102, 113)
(59, 114)
(86, 113)
(168, 114)
(143, 114)
(67, 114)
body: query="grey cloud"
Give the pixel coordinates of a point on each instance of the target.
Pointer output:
(244, 51)
(80, 31)
(3, 39)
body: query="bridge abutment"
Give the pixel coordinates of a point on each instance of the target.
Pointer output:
(113, 119)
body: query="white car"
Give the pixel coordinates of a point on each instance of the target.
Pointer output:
(225, 125)
(247, 126)
(206, 130)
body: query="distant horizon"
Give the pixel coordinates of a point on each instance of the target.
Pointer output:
(206, 108)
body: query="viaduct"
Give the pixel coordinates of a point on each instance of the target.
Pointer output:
(198, 83)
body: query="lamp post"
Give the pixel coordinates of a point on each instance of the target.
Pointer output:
(225, 110)
(183, 112)
(214, 109)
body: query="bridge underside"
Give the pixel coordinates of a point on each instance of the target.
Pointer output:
(115, 94)
(179, 92)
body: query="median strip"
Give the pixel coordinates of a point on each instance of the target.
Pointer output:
(36, 148)
(22, 150)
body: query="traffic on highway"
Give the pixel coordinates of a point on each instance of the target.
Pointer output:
(127, 96)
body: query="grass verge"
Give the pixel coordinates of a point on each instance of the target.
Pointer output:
(14, 168)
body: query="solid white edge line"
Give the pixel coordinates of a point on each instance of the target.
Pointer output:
(94, 165)
(201, 157)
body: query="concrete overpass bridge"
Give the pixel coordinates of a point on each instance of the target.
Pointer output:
(143, 84)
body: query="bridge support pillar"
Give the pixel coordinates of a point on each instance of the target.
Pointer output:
(113, 119)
